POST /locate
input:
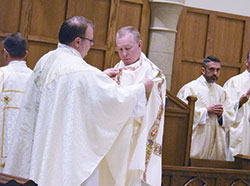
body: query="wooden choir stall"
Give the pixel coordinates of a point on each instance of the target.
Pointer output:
(181, 170)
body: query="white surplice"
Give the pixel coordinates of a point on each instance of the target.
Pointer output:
(208, 137)
(70, 116)
(13, 78)
(240, 130)
(135, 157)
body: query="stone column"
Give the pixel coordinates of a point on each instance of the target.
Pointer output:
(162, 34)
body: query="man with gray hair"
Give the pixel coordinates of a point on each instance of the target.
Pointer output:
(71, 114)
(13, 78)
(138, 162)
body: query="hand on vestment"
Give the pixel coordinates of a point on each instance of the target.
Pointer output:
(111, 72)
(216, 109)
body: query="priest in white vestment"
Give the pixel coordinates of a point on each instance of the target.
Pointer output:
(71, 114)
(135, 158)
(13, 78)
(214, 113)
(239, 89)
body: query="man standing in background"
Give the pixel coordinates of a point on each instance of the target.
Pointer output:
(135, 158)
(13, 78)
(214, 113)
(239, 89)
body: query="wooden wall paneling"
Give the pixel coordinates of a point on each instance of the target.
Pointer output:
(228, 40)
(46, 19)
(178, 53)
(228, 44)
(10, 11)
(202, 33)
(246, 44)
(210, 34)
(111, 46)
(195, 35)
(36, 50)
(96, 58)
(95, 10)
(25, 22)
(145, 25)
(190, 48)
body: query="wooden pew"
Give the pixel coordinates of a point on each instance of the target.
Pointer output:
(181, 170)
(4, 178)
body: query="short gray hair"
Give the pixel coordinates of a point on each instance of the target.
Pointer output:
(128, 29)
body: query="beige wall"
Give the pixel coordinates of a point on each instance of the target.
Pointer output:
(238, 7)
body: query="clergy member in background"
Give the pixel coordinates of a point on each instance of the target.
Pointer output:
(135, 158)
(239, 89)
(71, 114)
(214, 113)
(13, 78)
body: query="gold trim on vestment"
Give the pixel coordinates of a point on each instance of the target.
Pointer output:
(3, 90)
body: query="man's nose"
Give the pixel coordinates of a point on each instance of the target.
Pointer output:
(124, 53)
(216, 73)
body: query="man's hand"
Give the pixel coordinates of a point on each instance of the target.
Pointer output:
(111, 72)
(244, 98)
(148, 83)
(215, 109)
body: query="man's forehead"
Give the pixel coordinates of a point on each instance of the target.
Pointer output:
(126, 40)
(89, 30)
(213, 64)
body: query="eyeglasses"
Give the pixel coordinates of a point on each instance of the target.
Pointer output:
(90, 40)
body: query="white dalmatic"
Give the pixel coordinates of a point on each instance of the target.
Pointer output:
(240, 130)
(135, 157)
(13, 78)
(209, 139)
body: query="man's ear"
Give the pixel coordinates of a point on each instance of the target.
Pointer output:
(77, 40)
(203, 70)
(26, 54)
(5, 53)
(76, 43)
(140, 43)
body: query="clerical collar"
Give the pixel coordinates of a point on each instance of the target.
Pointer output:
(17, 62)
(69, 49)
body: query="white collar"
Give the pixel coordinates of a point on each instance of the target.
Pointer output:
(17, 63)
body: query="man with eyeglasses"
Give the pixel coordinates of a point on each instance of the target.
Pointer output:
(13, 78)
(138, 162)
(71, 114)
